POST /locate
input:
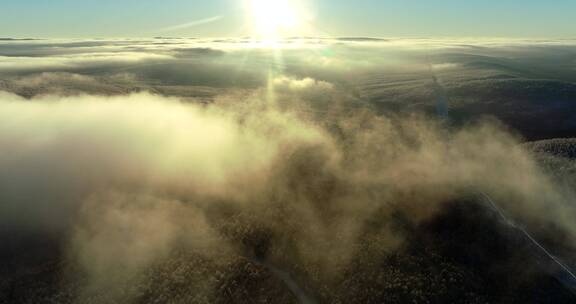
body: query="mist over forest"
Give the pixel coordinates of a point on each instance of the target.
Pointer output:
(318, 170)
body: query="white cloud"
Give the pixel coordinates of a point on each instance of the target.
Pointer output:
(16, 64)
(304, 84)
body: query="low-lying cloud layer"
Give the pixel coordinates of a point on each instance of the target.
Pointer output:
(514, 80)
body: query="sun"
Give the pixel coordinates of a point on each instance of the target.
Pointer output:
(272, 19)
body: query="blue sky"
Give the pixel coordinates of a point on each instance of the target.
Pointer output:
(383, 18)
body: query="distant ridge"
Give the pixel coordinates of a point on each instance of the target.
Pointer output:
(361, 39)
(17, 39)
(165, 37)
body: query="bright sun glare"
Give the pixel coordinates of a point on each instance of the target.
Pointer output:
(272, 19)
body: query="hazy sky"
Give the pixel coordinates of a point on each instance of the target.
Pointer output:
(144, 18)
